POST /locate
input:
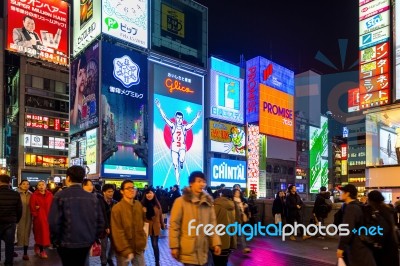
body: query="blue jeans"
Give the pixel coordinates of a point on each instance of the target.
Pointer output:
(7, 234)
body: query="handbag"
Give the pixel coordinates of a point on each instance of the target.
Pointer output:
(278, 218)
(95, 250)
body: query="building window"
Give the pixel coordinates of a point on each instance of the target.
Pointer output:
(61, 87)
(37, 82)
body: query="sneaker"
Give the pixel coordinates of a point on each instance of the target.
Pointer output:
(43, 255)
(305, 237)
(36, 250)
(293, 238)
(246, 250)
(25, 257)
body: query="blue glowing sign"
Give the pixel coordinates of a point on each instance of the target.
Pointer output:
(228, 172)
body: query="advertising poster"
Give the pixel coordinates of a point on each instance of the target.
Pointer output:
(39, 29)
(178, 125)
(123, 97)
(376, 83)
(319, 156)
(373, 53)
(375, 68)
(87, 23)
(227, 138)
(126, 20)
(374, 38)
(396, 33)
(353, 101)
(252, 90)
(228, 172)
(276, 113)
(253, 166)
(226, 91)
(372, 8)
(91, 151)
(376, 22)
(84, 90)
(373, 99)
(179, 29)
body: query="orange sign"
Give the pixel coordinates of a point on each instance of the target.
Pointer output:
(276, 113)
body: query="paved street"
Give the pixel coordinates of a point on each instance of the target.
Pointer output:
(265, 251)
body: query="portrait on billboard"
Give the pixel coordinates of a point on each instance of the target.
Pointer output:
(84, 93)
(178, 124)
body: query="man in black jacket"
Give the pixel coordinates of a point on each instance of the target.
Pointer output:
(10, 214)
(294, 205)
(322, 205)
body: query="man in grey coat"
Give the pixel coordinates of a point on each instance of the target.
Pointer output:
(26, 36)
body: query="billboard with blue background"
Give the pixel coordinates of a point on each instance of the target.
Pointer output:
(123, 97)
(228, 172)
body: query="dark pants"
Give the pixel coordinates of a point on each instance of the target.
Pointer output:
(73, 256)
(154, 244)
(295, 217)
(221, 260)
(7, 234)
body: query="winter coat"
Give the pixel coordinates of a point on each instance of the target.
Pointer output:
(10, 206)
(292, 200)
(320, 200)
(41, 229)
(355, 250)
(24, 226)
(127, 223)
(156, 223)
(279, 206)
(225, 213)
(164, 201)
(192, 249)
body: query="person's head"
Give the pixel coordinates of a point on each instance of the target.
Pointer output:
(146, 186)
(281, 194)
(348, 192)
(227, 193)
(179, 118)
(322, 189)
(292, 189)
(75, 174)
(5, 180)
(108, 191)
(197, 181)
(87, 185)
(41, 186)
(128, 190)
(237, 186)
(222, 186)
(29, 23)
(24, 185)
(150, 197)
(375, 198)
(82, 73)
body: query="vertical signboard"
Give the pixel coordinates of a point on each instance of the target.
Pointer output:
(252, 90)
(91, 151)
(228, 172)
(123, 96)
(179, 29)
(126, 20)
(397, 48)
(38, 29)
(226, 91)
(353, 100)
(178, 125)
(84, 90)
(87, 23)
(374, 39)
(226, 138)
(253, 166)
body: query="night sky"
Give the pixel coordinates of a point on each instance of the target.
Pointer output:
(290, 33)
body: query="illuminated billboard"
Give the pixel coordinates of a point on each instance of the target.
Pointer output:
(375, 37)
(276, 113)
(179, 29)
(123, 97)
(253, 158)
(84, 90)
(370, 8)
(45, 122)
(226, 91)
(178, 125)
(319, 156)
(227, 138)
(397, 48)
(91, 151)
(228, 172)
(383, 138)
(374, 53)
(38, 29)
(376, 22)
(353, 100)
(126, 20)
(87, 23)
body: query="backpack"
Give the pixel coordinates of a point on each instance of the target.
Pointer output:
(373, 218)
(324, 208)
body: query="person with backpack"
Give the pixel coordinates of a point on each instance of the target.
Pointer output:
(350, 247)
(322, 206)
(388, 253)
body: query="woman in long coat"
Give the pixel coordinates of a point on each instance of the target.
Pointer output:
(40, 206)
(24, 226)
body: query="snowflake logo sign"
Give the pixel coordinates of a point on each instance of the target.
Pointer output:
(126, 71)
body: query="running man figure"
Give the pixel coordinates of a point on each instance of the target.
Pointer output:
(178, 131)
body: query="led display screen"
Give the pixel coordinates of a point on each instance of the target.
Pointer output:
(87, 23)
(45, 160)
(84, 90)
(227, 138)
(276, 113)
(228, 172)
(126, 20)
(39, 29)
(383, 138)
(45, 122)
(319, 156)
(253, 153)
(124, 95)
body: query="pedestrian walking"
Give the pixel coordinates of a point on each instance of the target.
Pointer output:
(194, 207)
(24, 226)
(127, 221)
(40, 204)
(279, 208)
(107, 249)
(242, 216)
(76, 219)
(152, 208)
(322, 206)
(294, 204)
(10, 215)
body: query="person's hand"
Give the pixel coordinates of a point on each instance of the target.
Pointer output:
(144, 209)
(130, 257)
(298, 206)
(33, 41)
(339, 253)
(217, 250)
(108, 231)
(175, 253)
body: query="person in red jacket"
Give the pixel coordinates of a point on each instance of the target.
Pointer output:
(40, 206)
